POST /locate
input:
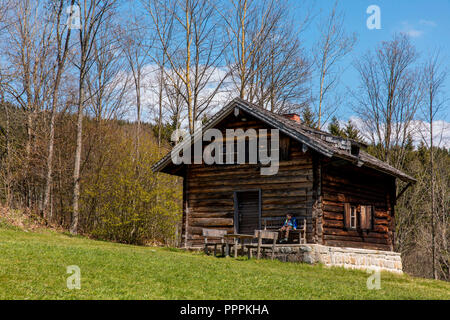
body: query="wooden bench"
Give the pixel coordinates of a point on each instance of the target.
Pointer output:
(274, 224)
(264, 234)
(261, 235)
(214, 234)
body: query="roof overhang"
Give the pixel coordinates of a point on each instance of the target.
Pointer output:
(226, 111)
(289, 130)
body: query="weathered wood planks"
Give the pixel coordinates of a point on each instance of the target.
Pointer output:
(357, 186)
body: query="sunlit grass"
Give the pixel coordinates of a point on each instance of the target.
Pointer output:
(33, 266)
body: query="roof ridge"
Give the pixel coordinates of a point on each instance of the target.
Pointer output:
(303, 126)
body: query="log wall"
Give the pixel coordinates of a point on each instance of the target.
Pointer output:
(343, 182)
(210, 190)
(307, 185)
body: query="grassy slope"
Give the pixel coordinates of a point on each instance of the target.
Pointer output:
(33, 266)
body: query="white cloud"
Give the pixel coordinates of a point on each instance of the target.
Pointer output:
(441, 132)
(410, 30)
(413, 33)
(420, 131)
(150, 94)
(428, 23)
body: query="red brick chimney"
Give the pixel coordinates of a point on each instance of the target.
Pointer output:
(293, 116)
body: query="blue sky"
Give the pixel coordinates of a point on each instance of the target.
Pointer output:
(427, 22)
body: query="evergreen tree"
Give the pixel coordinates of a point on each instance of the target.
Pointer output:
(334, 127)
(351, 132)
(308, 117)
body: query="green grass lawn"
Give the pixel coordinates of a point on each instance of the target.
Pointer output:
(33, 266)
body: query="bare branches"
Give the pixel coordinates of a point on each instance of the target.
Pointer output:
(193, 57)
(393, 90)
(333, 45)
(434, 79)
(4, 7)
(62, 50)
(94, 13)
(434, 102)
(136, 44)
(26, 53)
(390, 95)
(267, 64)
(249, 25)
(107, 81)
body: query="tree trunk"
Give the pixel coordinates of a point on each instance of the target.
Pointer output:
(76, 171)
(8, 157)
(161, 84)
(138, 107)
(51, 143)
(60, 66)
(433, 231)
(188, 71)
(48, 178)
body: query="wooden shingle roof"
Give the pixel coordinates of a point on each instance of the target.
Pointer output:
(320, 141)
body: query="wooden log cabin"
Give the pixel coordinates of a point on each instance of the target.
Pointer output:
(346, 196)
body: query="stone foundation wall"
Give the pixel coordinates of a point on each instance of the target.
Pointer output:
(352, 258)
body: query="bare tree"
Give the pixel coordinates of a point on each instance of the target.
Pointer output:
(249, 25)
(136, 44)
(434, 80)
(333, 45)
(442, 220)
(6, 154)
(27, 48)
(4, 7)
(162, 21)
(174, 103)
(107, 82)
(265, 57)
(93, 14)
(282, 73)
(194, 54)
(62, 35)
(389, 96)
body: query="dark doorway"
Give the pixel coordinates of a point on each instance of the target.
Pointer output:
(247, 211)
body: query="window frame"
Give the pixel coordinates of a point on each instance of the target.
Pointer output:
(353, 217)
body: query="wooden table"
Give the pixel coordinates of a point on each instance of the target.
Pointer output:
(236, 237)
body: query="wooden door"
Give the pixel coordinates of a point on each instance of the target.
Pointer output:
(247, 211)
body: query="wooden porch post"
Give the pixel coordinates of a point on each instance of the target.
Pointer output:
(185, 209)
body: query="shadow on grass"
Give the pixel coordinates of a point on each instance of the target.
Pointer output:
(172, 249)
(75, 236)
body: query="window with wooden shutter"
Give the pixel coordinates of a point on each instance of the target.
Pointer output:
(366, 217)
(347, 215)
(369, 217)
(353, 218)
(363, 217)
